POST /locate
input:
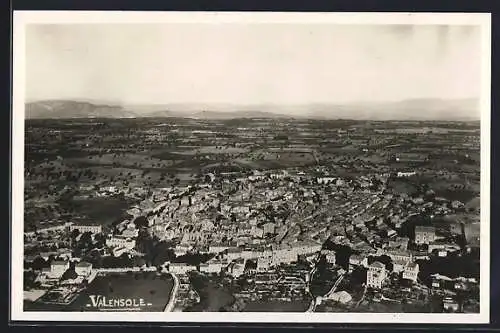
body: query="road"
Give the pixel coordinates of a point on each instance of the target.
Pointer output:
(171, 303)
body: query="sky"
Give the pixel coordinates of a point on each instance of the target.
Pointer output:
(259, 63)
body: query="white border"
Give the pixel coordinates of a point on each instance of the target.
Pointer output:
(21, 18)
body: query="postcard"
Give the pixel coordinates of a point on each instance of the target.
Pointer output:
(250, 167)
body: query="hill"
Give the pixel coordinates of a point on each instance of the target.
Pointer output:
(55, 109)
(414, 109)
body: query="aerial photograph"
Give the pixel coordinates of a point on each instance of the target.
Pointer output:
(277, 167)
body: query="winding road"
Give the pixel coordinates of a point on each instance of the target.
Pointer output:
(173, 296)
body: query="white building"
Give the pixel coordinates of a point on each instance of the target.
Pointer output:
(57, 269)
(264, 264)
(130, 231)
(411, 271)
(213, 266)
(83, 268)
(341, 297)
(376, 275)
(399, 265)
(182, 249)
(217, 248)
(95, 229)
(331, 258)
(406, 174)
(399, 255)
(120, 241)
(269, 228)
(356, 260)
(237, 268)
(450, 305)
(118, 251)
(234, 253)
(424, 234)
(180, 268)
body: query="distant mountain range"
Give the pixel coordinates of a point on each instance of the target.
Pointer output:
(414, 109)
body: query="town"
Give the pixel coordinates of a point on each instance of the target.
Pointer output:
(252, 215)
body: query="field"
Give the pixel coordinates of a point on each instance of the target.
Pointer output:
(212, 297)
(103, 211)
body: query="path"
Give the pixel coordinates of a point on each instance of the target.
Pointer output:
(171, 303)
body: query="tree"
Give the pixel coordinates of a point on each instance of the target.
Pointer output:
(141, 222)
(70, 274)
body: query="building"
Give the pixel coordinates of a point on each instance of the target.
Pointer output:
(120, 241)
(450, 305)
(210, 268)
(410, 271)
(118, 251)
(331, 258)
(357, 260)
(406, 174)
(57, 269)
(257, 232)
(399, 265)
(182, 249)
(424, 234)
(83, 268)
(180, 268)
(376, 275)
(237, 268)
(95, 229)
(269, 228)
(400, 255)
(264, 264)
(399, 243)
(341, 297)
(217, 248)
(234, 253)
(130, 231)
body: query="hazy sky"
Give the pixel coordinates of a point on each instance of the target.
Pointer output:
(251, 63)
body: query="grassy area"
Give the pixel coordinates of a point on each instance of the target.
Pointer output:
(101, 210)
(212, 296)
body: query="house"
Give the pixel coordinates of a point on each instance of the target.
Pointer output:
(406, 174)
(130, 231)
(120, 241)
(217, 248)
(269, 228)
(264, 263)
(341, 297)
(180, 268)
(424, 234)
(209, 268)
(57, 269)
(399, 255)
(234, 253)
(399, 265)
(450, 305)
(82, 228)
(330, 258)
(410, 271)
(83, 268)
(376, 275)
(257, 232)
(399, 242)
(237, 268)
(357, 260)
(182, 249)
(118, 251)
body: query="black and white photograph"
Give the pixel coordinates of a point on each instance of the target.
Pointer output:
(261, 167)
